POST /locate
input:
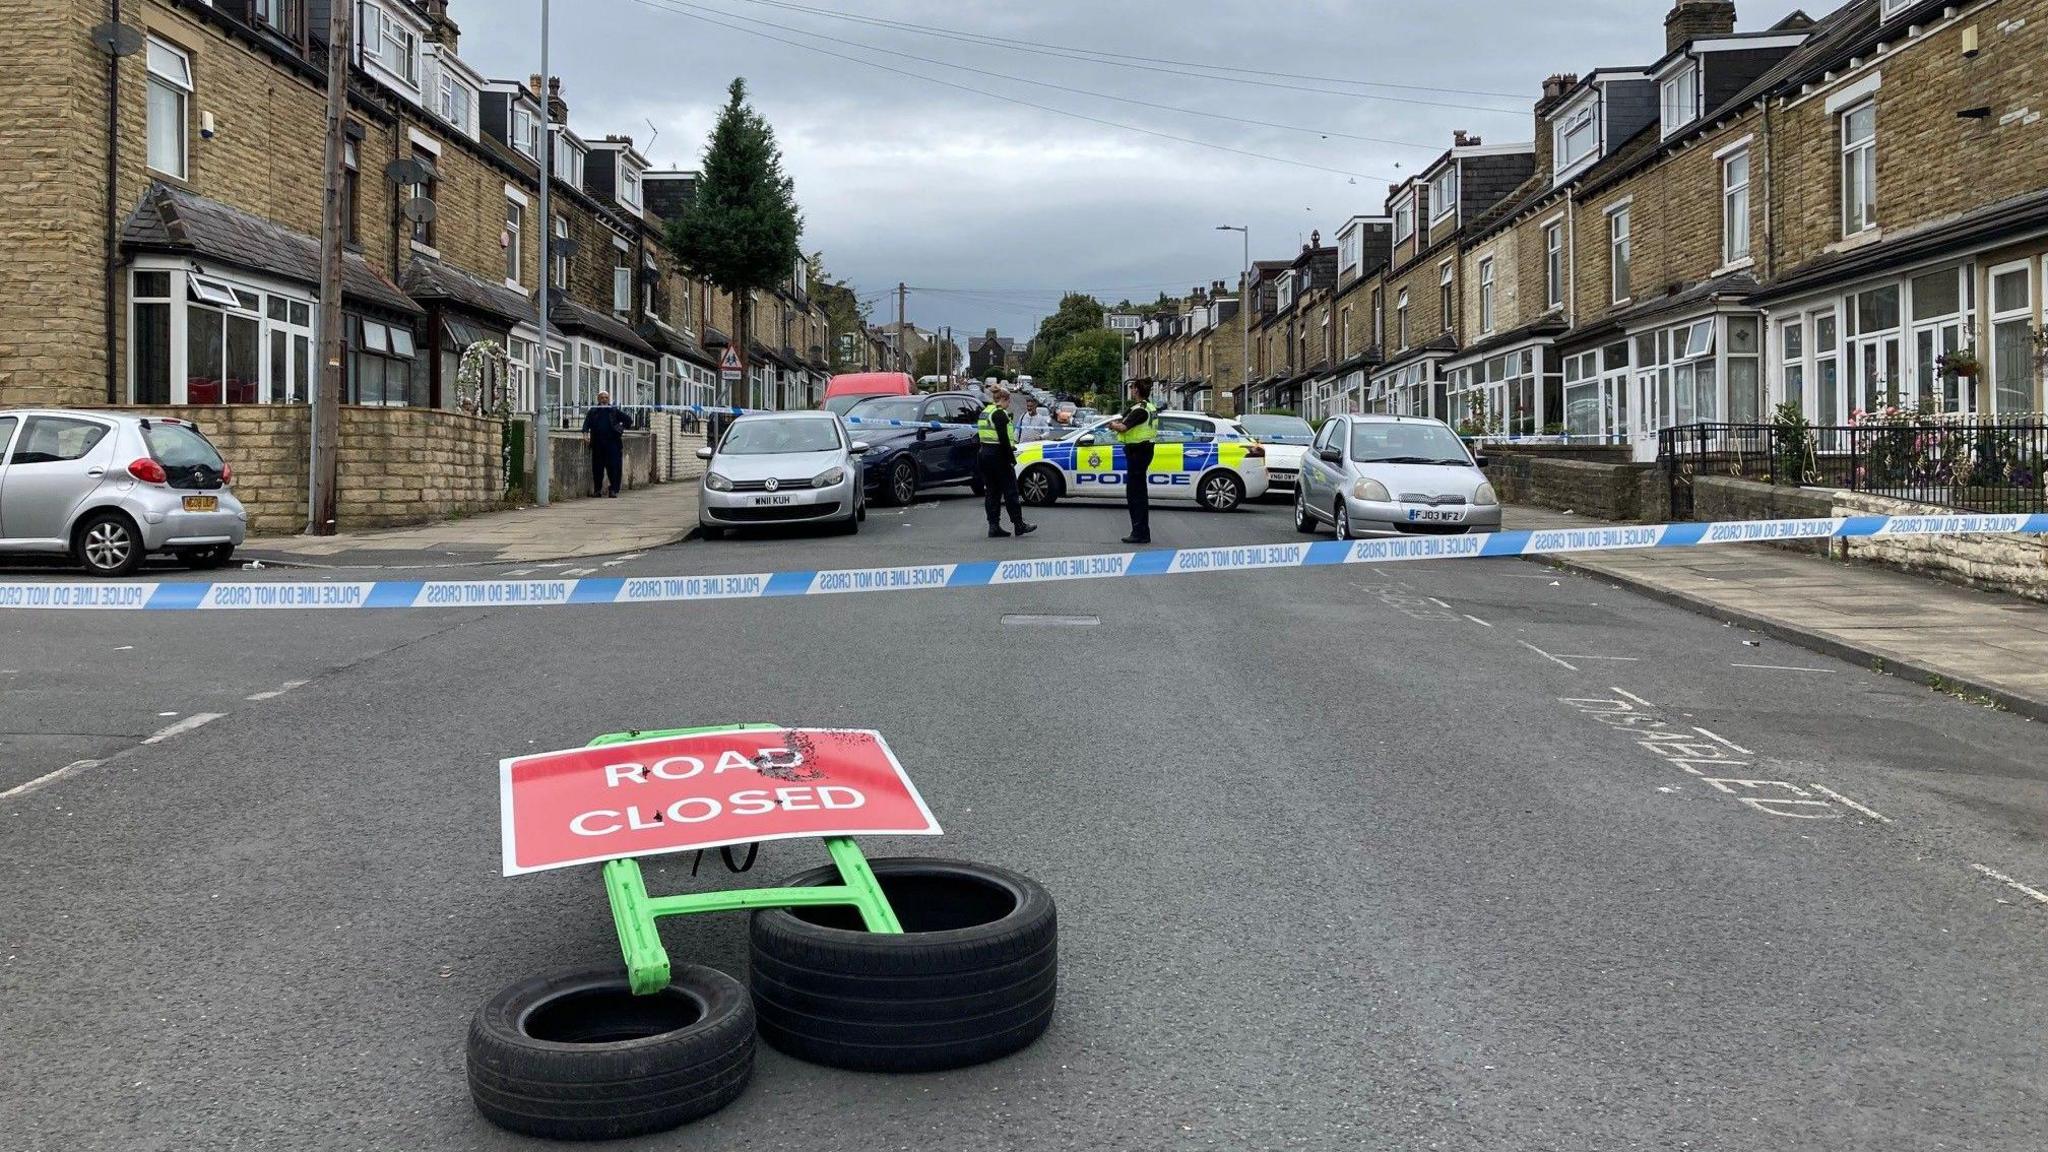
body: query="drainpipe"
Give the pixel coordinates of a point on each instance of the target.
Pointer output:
(113, 271)
(1770, 230)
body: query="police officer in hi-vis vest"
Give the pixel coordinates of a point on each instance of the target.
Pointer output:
(1136, 431)
(997, 463)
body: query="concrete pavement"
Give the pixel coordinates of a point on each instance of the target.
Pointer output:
(1404, 857)
(1981, 644)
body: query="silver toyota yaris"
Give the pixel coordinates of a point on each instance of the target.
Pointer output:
(1393, 474)
(109, 489)
(783, 468)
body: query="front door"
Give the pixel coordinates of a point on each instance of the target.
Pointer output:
(1935, 390)
(1649, 407)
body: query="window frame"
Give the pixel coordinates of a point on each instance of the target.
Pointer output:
(1404, 214)
(1671, 118)
(1553, 264)
(2025, 314)
(1864, 154)
(1620, 253)
(1731, 255)
(1486, 286)
(182, 88)
(1447, 291)
(1585, 117)
(515, 229)
(1401, 318)
(1447, 205)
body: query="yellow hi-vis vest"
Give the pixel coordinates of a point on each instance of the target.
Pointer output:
(1144, 433)
(985, 426)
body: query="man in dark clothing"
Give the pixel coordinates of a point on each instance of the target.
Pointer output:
(997, 463)
(604, 425)
(1136, 430)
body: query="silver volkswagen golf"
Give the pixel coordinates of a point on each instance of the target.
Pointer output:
(1398, 474)
(783, 468)
(108, 489)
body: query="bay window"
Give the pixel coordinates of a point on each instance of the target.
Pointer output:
(2012, 339)
(1871, 323)
(384, 368)
(1942, 309)
(196, 338)
(1596, 394)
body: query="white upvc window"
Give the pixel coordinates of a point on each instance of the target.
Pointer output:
(1735, 207)
(1486, 295)
(1553, 265)
(2012, 339)
(1859, 168)
(629, 184)
(1404, 217)
(1446, 292)
(515, 223)
(526, 131)
(1894, 7)
(1349, 249)
(389, 42)
(559, 252)
(1619, 251)
(1401, 318)
(1679, 98)
(622, 281)
(1443, 194)
(1576, 137)
(568, 162)
(169, 97)
(457, 102)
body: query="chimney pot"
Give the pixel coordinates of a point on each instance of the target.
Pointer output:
(1691, 20)
(1315, 238)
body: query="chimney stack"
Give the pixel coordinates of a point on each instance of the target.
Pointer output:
(1558, 84)
(440, 29)
(1695, 19)
(1464, 139)
(1315, 238)
(558, 108)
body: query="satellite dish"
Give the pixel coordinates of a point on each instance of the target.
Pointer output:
(556, 298)
(563, 246)
(419, 210)
(117, 40)
(399, 173)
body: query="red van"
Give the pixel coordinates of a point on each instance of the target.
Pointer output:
(851, 388)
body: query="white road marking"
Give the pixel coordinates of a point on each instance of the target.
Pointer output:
(278, 691)
(1519, 576)
(520, 572)
(1619, 659)
(1438, 603)
(1474, 619)
(1873, 813)
(613, 563)
(1995, 874)
(577, 571)
(1546, 655)
(1631, 696)
(632, 555)
(195, 720)
(49, 778)
(1719, 739)
(1784, 668)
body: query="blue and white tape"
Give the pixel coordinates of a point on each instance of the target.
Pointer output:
(199, 595)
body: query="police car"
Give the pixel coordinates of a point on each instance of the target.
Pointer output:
(1197, 459)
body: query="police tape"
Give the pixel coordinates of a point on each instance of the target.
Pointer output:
(176, 596)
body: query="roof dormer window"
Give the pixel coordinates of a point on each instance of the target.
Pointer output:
(1897, 7)
(389, 43)
(629, 185)
(568, 162)
(526, 131)
(1679, 98)
(1576, 137)
(1404, 217)
(1443, 194)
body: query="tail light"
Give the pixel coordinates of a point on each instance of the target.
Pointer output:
(148, 471)
(227, 473)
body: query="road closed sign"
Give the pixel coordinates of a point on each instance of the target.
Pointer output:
(680, 793)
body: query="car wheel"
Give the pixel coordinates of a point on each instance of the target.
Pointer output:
(107, 544)
(576, 1056)
(863, 512)
(850, 525)
(973, 976)
(1221, 492)
(902, 485)
(711, 533)
(1304, 520)
(1040, 486)
(212, 556)
(1344, 522)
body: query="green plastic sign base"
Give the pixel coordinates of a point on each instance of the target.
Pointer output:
(634, 912)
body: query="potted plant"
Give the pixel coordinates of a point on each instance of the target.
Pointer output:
(1962, 364)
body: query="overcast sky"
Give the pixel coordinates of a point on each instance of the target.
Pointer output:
(987, 207)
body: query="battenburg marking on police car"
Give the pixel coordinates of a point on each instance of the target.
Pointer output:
(662, 589)
(1216, 559)
(882, 579)
(262, 596)
(1062, 568)
(487, 593)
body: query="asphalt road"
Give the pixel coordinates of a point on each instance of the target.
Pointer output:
(1403, 857)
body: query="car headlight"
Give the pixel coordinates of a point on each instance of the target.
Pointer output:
(829, 477)
(1370, 489)
(717, 483)
(1484, 496)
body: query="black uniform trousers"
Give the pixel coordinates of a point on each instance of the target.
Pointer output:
(998, 467)
(607, 462)
(1137, 487)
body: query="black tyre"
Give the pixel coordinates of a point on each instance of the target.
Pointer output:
(212, 556)
(107, 544)
(1220, 492)
(1343, 521)
(1304, 520)
(711, 533)
(1039, 486)
(576, 1056)
(974, 976)
(900, 486)
(849, 526)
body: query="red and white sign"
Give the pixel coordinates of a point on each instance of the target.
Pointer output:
(647, 797)
(729, 364)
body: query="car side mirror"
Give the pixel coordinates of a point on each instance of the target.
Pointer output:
(1333, 455)
(704, 453)
(860, 448)
(1478, 460)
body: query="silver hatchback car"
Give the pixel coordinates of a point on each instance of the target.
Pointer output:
(108, 489)
(1393, 474)
(783, 468)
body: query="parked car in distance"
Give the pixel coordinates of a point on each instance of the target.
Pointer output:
(849, 388)
(782, 468)
(906, 454)
(1393, 474)
(109, 489)
(1285, 438)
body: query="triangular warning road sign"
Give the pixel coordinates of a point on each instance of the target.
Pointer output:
(731, 361)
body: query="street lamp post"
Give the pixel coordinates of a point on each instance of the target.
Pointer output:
(1244, 311)
(543, 462)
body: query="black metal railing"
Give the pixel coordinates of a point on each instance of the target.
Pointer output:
(1981, 464)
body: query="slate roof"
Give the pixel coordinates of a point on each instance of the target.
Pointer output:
(570, 316)
(171, 219)
(429, 279)
(675, 343)
(1734, 285)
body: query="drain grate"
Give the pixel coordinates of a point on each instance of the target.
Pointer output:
(1026, 621)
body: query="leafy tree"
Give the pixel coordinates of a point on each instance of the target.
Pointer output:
(844, 313)
(740, 231)
(1091, 361)
(1077, 313)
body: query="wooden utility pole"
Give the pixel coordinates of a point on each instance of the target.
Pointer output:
(326, 399)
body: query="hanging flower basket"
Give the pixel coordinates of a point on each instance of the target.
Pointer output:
(1963, 364)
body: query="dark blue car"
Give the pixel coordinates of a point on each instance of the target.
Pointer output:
(906, 455)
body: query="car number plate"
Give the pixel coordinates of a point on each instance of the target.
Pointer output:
(1427, 515)
(202, 503)
(759, 500)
